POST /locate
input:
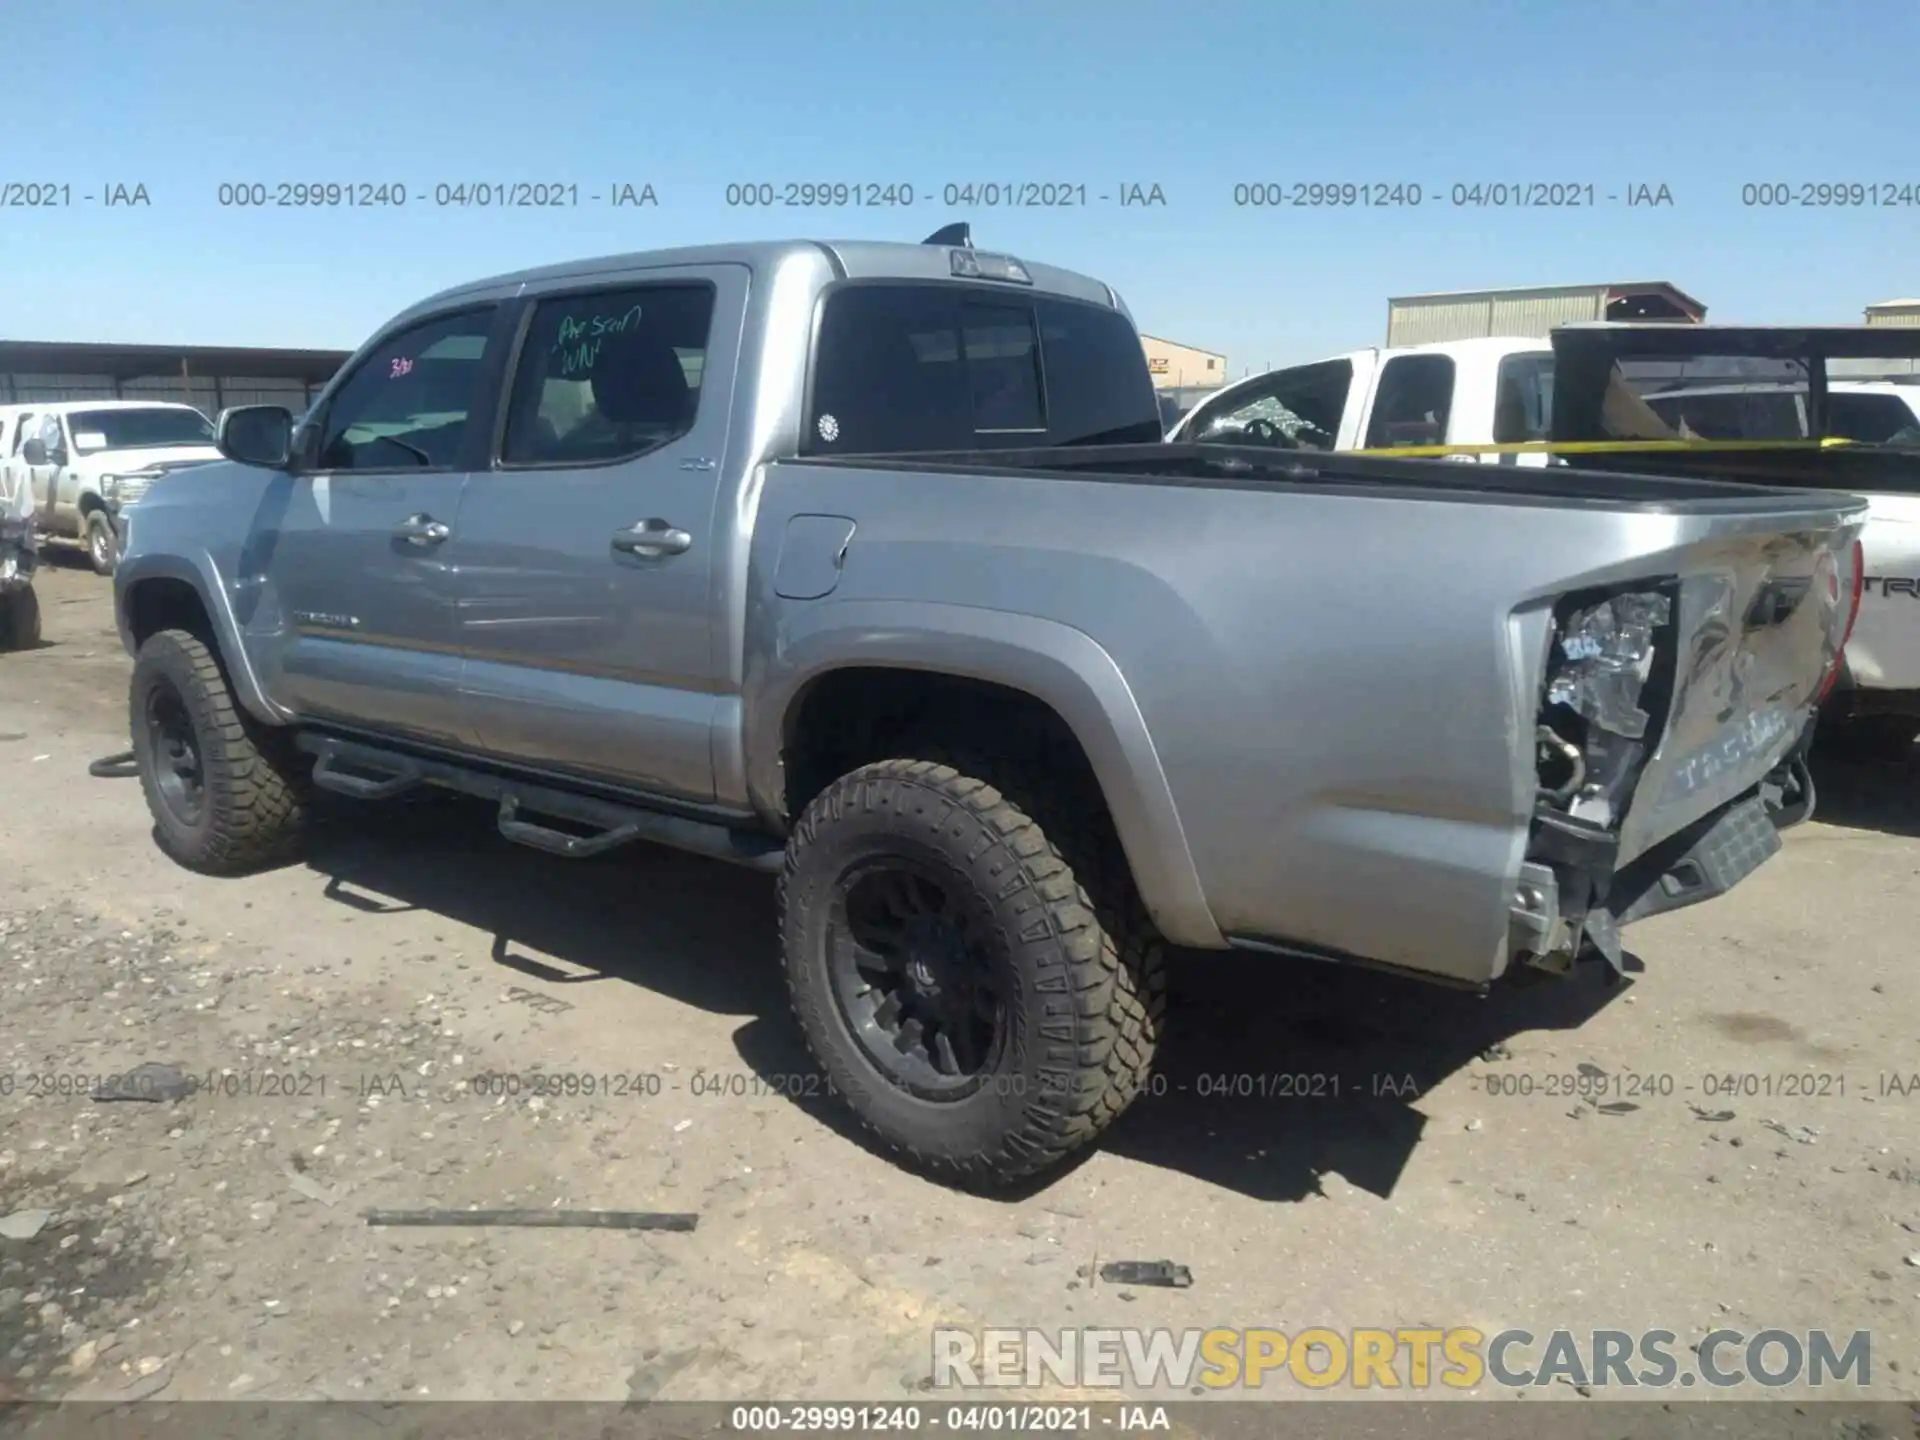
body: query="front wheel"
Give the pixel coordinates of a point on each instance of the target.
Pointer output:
(226, 795)
(970, 964)
(103, 544)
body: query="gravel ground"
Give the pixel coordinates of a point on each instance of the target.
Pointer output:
(339, 1021)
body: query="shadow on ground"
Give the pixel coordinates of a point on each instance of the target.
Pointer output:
(1881, 795)
(1276, 1071)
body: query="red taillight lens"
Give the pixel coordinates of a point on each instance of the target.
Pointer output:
(1853, 613)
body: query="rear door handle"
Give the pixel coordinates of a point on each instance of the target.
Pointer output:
(651, 537)
(422, 530)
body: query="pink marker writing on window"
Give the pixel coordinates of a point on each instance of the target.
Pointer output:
(400, 367)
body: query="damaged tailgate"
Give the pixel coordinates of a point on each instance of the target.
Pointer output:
(1667, 706)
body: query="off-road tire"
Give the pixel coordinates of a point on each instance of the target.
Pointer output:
(19, 619)
(1087, 997)
(256, 791)
(103, 543)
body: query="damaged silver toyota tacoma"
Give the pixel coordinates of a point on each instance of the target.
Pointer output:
(863, 564)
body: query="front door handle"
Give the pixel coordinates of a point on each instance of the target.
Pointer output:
(651, 537)
(422, 530)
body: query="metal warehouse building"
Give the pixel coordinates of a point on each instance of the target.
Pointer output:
(1177, 366)
(210, 377)
(1469, 314)
(1894, 312)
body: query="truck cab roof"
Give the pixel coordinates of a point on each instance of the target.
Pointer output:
(68, 407)
(839, 259)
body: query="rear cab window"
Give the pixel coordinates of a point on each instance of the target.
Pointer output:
(902, 366)
(1412, 402)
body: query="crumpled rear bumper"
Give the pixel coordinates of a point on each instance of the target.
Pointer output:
(1702, 861)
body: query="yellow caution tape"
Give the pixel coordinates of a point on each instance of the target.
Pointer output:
(1597, 447)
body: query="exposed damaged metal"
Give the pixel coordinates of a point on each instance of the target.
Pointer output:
(1624, 672)
(1610, 677)
(1607, 653)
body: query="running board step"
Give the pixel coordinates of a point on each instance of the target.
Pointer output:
(367, 772)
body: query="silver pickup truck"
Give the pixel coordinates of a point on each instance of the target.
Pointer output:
(863, 564)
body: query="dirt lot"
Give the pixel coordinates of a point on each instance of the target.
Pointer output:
(342, 1017)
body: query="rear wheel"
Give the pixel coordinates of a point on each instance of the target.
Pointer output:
(227, 795)
(103, 544)
(970, 964)
(19, 618)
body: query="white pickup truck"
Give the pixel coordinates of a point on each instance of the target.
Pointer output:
(1488, 391)
(83, 461)
(1697, 393)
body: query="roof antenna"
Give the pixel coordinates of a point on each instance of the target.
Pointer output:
(959, 233)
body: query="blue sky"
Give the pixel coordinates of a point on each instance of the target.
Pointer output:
(1702, 96)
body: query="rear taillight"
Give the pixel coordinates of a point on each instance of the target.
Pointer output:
(1853, 613)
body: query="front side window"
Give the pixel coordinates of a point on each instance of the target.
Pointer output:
(1297, 408)
(608, 375)
(1414, 399)
(22, 435)
(406, 407)
(138, 428)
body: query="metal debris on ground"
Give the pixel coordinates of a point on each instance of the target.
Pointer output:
(1802, 1133)
(1147, 1272)
(582, 1219)
(150, 1082)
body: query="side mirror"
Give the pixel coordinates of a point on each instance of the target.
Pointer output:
(256, 435)
(34, 452)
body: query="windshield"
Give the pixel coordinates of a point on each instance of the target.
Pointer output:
(138, 428)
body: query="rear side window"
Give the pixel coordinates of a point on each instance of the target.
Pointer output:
(912, 367)
(1413, 402)
(608, 375)
(1523, 399)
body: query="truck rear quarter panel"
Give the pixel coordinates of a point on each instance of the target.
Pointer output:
(1314, 707)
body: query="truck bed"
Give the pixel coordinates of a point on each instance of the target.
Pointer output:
(1630, 482)
(1327, 671)
(1854, 469)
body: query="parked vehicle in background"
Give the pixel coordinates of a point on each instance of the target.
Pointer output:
(1881, 412)
(85, 461)
(865, 564)
(1697, 405)
(19, 553)
(1762, 405)
(1484, 391)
